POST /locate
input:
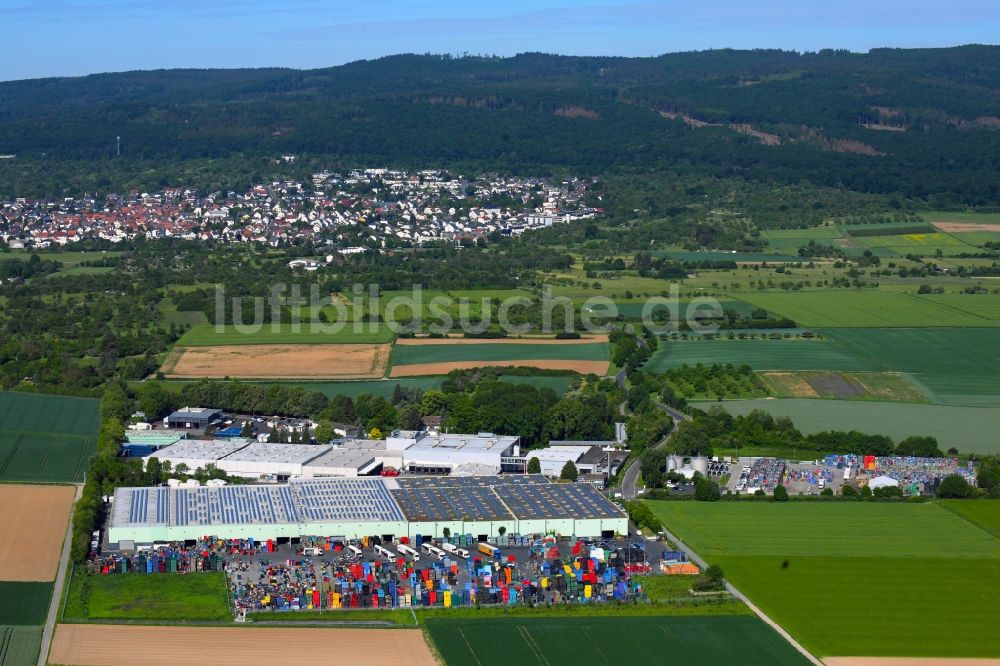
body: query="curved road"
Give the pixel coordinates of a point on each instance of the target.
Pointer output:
(629, 491)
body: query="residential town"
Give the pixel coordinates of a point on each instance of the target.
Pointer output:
(355, 210)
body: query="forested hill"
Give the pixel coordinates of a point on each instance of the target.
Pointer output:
(918, 123)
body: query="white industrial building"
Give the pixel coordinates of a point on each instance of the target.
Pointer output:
(355, 508)
(414, 452)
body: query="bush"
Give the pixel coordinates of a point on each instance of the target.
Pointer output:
(954, 487)
(780, 493)
(706, 490)
(534, 467)
(569, 472)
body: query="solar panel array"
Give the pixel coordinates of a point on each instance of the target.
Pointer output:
(423, 499)
(557, 500)
(346, 499)
(459, 502)
(469, 481)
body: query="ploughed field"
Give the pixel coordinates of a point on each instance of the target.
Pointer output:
(279, 361)
(130, 645)
(641, 641)
(857, 578)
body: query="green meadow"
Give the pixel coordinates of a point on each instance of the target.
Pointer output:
(968, 429)
(855, 578)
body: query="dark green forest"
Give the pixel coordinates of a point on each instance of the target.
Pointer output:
(917, 124)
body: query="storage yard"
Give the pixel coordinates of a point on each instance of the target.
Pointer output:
(113, 645)
(356, 508)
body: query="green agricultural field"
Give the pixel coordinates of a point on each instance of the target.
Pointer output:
(611, 641)
(986, 306)
(924, 244)
(965, 218)
(19, 645)
(68, 259)
(51, 414)
(848, 578)
(761, 354)
(746, 257)
(501, 351)
(44, 458)
(984, 515)
(952, 366)
(200, 336)
(24, 603)
(844, 308)
(633, 309)
(199, 597)
(968, 429)
(385, 387)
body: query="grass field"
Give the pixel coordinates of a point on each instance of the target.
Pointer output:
(843, 308)
(67, 259)
(612, 641)
(792, 354)
(855, 578)
(953, 366)
(985, 515)
(44, 458)
(19, 645)
(969, 429)
(285, 334)
(986, 306)
(24, 603)
(444, 352)
(51, 414)
(923, 244)
(199, 597)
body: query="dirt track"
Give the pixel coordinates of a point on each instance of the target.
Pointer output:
(120, 645)
(423, 369)
(907, 661)
(33, 521)
(419, 342)
(331, 361)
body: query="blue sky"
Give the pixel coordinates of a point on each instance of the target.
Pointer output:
(74, 37)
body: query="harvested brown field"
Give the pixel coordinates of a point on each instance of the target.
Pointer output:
(966, 227)
(312, 361)
(834, 385)
(443, 368)
(121, 645)
(500, 341)
(33, 521)
(908, 661)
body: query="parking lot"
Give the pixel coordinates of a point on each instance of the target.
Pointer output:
(287, 572)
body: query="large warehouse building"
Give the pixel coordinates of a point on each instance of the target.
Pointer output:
(354, 508)
(416, 452)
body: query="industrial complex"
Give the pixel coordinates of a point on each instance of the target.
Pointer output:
(353, 508)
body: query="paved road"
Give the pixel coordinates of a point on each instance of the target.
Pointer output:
(694, 557)
(50, 620)
(631, 478)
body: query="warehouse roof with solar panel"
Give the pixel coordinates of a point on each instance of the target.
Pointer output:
(357, 507)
